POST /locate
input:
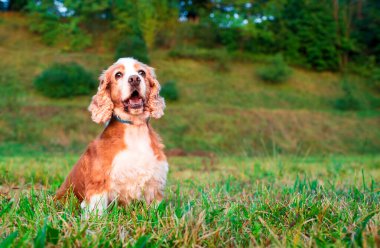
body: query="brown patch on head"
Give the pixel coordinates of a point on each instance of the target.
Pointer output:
(115, 91)
(101, 106)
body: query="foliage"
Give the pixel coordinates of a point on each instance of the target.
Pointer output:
(132, 46)
(367, 30)
(224, 201)
(169, 91)
(18, 5)
(348, 100)
(367, 69)
(149, 23)
(307, 34)
(205, 35)
(323, 35)
(65, 80)
(276, 72)
(375, 79)
(47, 21)
(157, 17)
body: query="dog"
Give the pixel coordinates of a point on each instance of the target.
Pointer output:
(126, 162)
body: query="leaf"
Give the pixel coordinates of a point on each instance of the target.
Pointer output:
(40, 239)
(6, 208)
(26, 207)
(142, 241)
(9, 240)
(52, 235)
(359, 230)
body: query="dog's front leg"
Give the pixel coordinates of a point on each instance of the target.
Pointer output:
(153, 192)
(94, 204)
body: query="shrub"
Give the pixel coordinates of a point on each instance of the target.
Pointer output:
(169, 91)
(348, 100)
(277, 72)
(65, 80)
(132, 46)
(206, 35)
(375, 79)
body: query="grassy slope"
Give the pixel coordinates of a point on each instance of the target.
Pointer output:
(223, 112)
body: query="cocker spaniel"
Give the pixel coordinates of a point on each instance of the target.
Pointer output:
(126, 162)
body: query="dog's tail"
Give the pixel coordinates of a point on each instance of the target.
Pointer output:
(63, 190)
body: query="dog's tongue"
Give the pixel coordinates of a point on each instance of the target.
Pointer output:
(135, 102)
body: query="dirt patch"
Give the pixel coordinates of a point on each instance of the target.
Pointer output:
(178, 152)
(41, 111)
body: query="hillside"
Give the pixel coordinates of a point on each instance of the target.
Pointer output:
(226, 112)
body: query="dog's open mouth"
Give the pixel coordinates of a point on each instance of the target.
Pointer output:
(135, 101)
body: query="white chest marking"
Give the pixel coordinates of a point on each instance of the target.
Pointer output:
(133, 167)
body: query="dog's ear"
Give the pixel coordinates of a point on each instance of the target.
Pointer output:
(101, 106)
(156, 103)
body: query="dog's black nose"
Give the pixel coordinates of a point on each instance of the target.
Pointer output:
(134, 80)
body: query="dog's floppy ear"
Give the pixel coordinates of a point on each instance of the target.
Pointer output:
(156, 103)
(101, 106)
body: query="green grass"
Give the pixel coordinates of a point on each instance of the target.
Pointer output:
(215, 201)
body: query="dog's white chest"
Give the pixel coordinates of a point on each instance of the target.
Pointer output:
(135, 166)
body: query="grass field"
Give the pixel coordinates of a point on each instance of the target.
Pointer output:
(210, 202)
(263, 165)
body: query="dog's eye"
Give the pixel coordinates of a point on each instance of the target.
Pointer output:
(141, 73)
(118, 75)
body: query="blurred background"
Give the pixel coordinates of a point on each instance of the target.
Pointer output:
(252, 78)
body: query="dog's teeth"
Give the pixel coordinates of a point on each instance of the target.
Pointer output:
(135, 101)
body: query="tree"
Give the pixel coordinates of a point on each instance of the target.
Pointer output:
(145, 18)
(367, 30)
(308, 34)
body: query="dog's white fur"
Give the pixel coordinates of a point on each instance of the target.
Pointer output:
(134, 167)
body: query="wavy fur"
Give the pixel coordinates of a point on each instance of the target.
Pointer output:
(156, 103)
(101, 106)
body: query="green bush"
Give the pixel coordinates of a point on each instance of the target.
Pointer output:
(132, 46)
(65, 80)
(375, 79)
(169, 91)
(206, 35)
(348, 100)
(277, 72)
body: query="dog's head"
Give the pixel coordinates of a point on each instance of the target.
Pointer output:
(128, 89)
